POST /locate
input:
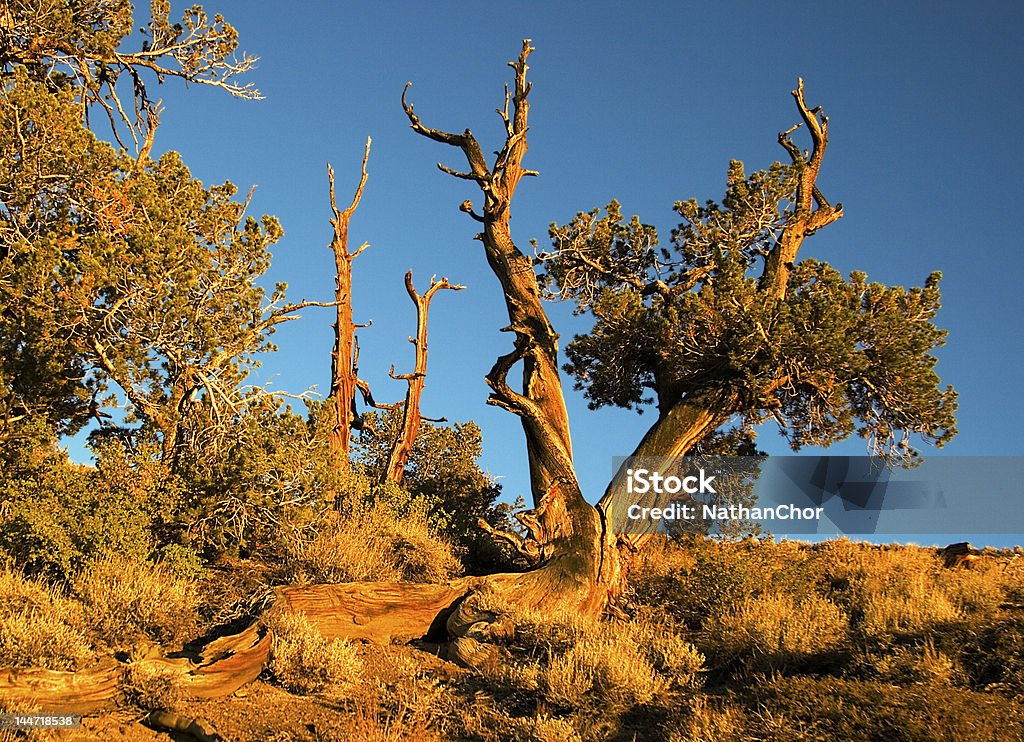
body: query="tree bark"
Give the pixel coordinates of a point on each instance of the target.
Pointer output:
(674, 434)
(344, 379)
(411, 417)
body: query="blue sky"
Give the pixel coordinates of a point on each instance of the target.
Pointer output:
(645, 103)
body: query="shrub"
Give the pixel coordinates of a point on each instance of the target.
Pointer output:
(889, 591)
(670, 655)
(980, 589)
(305, 662)
(248, 481)
(700, 577)
(917, 664)
(773, 631)
(373, 543)
(604, 664)
(705, 722)
(39, 627)
(151, 687)
(180, 561)
(543, 729)
(126, 600)
(57, 515)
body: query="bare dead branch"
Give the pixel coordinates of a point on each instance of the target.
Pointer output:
(806, 219)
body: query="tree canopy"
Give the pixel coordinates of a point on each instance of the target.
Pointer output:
(829, 357)
(118, 272)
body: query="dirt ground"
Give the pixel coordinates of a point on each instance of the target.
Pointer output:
(262, 712)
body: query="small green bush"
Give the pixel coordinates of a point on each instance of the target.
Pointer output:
(57, 515)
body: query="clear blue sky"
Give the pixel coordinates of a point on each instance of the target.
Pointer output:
(646, 103)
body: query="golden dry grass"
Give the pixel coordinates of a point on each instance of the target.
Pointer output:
(373, 544)
(126, 600)
(773, 631)
(305, 662)
(39, 627)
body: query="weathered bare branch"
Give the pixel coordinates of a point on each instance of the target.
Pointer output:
(528, 548)
(465, 141)
(806, 219)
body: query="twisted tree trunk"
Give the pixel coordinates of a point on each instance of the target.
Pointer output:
(577, 561)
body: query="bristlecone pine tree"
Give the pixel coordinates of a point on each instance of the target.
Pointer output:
(726, 329)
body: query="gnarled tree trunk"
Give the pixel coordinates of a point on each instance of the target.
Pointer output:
(578, 566)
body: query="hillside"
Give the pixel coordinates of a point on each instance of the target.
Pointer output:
(726, 640)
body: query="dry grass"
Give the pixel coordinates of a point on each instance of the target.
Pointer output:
(543, 729)
(671, 656)
(830, 641)
(892, 591)
(305, 662)
(608, 665)
(574, 663)
(774, 631)
(705, 722)
(126, 601)
(39, 627)
(917, 664)
(373, 545)
(152, 687)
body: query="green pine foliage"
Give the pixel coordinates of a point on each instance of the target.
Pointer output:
(834, 356)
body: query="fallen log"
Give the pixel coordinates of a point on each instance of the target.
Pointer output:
(379, 612)
(225, 665)
(58, 692)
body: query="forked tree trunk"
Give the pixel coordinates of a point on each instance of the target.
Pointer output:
(411, 416)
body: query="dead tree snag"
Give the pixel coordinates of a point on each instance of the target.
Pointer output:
(344, 356)
(411, 417)
(579, 569)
